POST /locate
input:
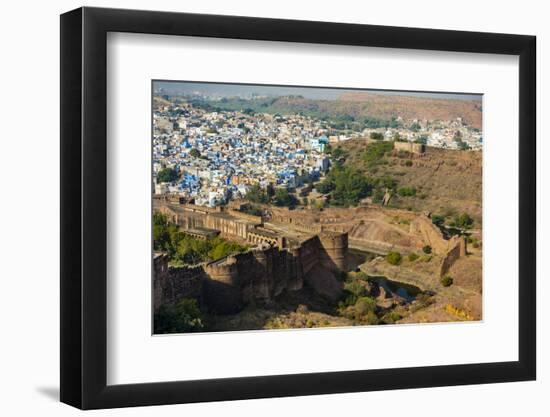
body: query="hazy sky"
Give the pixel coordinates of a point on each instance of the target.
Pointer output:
(245, 90)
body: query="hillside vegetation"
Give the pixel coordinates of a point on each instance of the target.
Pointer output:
(444, 182)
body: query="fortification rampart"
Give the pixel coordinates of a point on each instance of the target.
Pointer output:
(225, 271)
(333, 250)
(245, 216)
(457, 249)
(430, 233)
(172, 284)
(288, 260)
(416, 148)
(256, 276)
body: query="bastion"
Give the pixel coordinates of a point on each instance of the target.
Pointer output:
(257, 276)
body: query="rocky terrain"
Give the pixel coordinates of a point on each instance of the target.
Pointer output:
(458, 302)
(447, 182)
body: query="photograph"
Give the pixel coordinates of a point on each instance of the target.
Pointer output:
(292, 207)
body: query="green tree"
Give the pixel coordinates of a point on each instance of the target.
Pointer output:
(463, 146)
(374, 153)
(463, 221)
(364, 305)
(376, 135)
(391, 317)
(338, 153)
(427, 249)
(353, 290)
(192, 251)
(347, 186)
(407, 191)
(446, 281)
(394, 258)
(224, 248)
(413, 257)
(284, 199)
(161, 237)
(438, 219)
(255, 194)
(251, 209)
(183, 317)
(195, 153)
(324, 187)
(167, 175)
(415, 127)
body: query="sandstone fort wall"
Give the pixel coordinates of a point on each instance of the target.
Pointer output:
(416, 148)
(457, 246)
(256, 276)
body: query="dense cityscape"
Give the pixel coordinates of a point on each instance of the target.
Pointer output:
(218, 155)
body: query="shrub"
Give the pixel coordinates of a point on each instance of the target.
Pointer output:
(256, 194)
(353, 290)
(371, 318)
(447, 281)
(251, 209)
(355, 287)
(438, 219)
(407, 192)
(284, 199)
(364, 305)
(464, 221)
(195, 153)
(413, 257)
(374, 153)
(409, 163)
(427, 249)
(365, 310)
(167, 175)
(391, 317)
(182, 317)
(394, 258)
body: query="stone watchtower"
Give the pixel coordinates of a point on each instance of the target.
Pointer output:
(333, 253)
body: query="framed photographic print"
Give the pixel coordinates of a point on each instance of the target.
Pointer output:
(257, 208)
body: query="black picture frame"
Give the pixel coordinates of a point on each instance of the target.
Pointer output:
(84, 207)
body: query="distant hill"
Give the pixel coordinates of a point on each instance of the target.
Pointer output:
(159, 101)
(353, 109)
(385, 106)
